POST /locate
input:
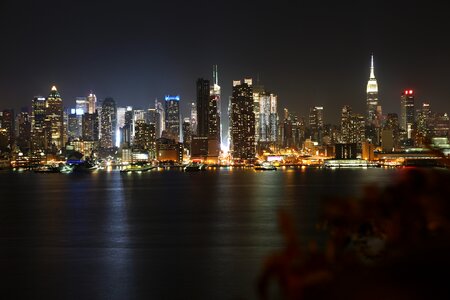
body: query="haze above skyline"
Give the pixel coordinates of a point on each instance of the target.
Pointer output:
(307, 53)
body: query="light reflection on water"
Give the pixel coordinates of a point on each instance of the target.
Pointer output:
(158, 234)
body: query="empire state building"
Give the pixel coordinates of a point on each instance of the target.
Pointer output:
(373, 112)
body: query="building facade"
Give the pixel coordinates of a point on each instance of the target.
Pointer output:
(242, 121)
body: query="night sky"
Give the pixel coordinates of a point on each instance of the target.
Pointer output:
(308, 52)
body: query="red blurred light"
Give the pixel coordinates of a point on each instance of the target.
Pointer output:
(410, 92)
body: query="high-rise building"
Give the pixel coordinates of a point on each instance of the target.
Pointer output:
(82, 104)
(441, 125)
(24, 131)
(172, 113)
(120, 117)
(55, 115)
(258, 92)
(268, 117)
(41, 133)
(160, 119)
(139, 114)
(144, 138)
(352, 127)
(92, 103)
(390, 137)
(242, 121)
(90, 127)
(193, 119)
(423, 128)
(151, 116)
(7, 123)
(187, 133)
(373, 117)
(203, 97)
(126, 136)
(108, 120)
(214, 131)
(215, 110)
(407, 111)
(286, 130)
(73, 126)
(316, 123)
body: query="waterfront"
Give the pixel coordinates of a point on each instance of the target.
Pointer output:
(156, 235)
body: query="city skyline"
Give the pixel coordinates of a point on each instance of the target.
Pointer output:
(316, 55)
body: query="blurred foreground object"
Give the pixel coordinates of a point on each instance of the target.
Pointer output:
(393, 243)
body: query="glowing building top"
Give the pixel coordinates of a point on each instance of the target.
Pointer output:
(372, 86)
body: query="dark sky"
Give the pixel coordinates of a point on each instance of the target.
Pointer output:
(308, 52)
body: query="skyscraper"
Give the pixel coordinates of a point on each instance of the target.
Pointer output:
(268, 117)
(92, 103)
(187, 133)
(127, 134)
(7, 122)
(441, 125)
(407, 111)
(160, 119)
(108, 120)
(145, 136)
(193, 119)
(352, 127)
(82, 104)
(214, 134)
(172, 113)
(372, 97)
(215, 104)
(41, 134)
(54, 113)
(203, 96)
(73, 126)
(24, 130)
(423, 125)
(242, 121)
(316, 123)
(90, 127)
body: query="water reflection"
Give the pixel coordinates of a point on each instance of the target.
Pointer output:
(157, 235)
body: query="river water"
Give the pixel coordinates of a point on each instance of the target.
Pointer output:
(157, 235)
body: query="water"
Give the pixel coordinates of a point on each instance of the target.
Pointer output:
(156, 235)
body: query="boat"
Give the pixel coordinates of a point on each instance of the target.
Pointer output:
(65, 168)
(137, 167)
(83, 166)
(47, 169)
(194, 166)
(265, 166)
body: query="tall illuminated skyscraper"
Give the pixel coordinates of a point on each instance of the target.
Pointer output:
(90, 127)
(92, 103)
(108, 120)
(160, 124)
(172, 113)
(373, 117)
(203, 96)
(242, 121)
(82, 104)
(39, 130)
(23, 121)
(268, 117)
(7, 122)
(316, 123)
(407, 111)
(214, 112)
(55, 115)
(193, 120)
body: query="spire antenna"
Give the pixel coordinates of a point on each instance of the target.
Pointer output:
(372, 68)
